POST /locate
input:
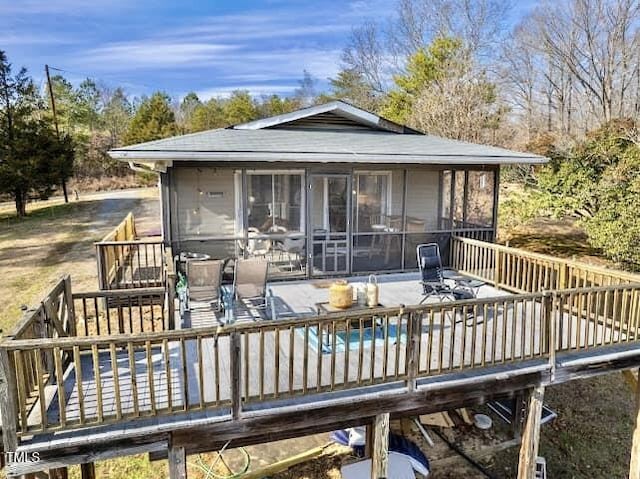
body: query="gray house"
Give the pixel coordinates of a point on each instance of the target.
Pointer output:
(326, 190)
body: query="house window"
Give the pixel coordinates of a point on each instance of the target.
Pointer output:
(458, 199)
(372, 208)
(275, 201)
(445, 208)
(480, 197)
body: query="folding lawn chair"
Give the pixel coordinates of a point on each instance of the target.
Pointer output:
(204, 281)
(250, 284)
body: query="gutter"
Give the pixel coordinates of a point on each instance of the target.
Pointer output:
(331, 157)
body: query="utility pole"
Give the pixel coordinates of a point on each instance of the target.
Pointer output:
(55, 123)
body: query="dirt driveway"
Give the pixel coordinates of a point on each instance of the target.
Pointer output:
(57, 238)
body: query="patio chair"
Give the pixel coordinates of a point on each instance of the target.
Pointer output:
(250, 284)
(432, 279)
(204, 281)
(256, 244)
(294, 244)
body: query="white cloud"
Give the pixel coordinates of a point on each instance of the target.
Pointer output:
(256, 27)
(69, 7)
(235, 63)
(8, 38)
(264, 51)
(254, 90)
(153, 53)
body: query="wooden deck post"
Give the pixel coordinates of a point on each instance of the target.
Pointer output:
(518, 415)
(531, 434)
(177, 461)
(235, 361)
(380, 456)
(8, 402)
(497, 270)
(88, 470)
(100, 267)
(634, 466)
(549, 325)
(413, 354)
(58, 473)
(71, 310)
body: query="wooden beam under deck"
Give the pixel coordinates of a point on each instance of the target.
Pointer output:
(290, 423)
(380, 457)
(531, 434)
(634, 465)
(295, 420)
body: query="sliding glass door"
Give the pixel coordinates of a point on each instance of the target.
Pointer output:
(330, 224)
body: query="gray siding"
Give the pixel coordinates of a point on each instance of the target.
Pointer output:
(205, 204)
(422, 196)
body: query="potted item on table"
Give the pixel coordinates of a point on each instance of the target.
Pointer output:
(373, 291)
(361, 294)
(341, 294)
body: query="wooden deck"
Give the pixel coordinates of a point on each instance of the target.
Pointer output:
(126, 387)
(182, 374)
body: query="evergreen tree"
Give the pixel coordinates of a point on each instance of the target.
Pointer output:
(351, 86)
(32, 159)
(153, 120)
(187, 108)
(276, 105)
(240, 108)
(443, 58)
(208, 116)
(116, 116)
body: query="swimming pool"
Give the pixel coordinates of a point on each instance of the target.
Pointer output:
(371, 335)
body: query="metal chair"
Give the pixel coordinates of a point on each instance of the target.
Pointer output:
(256, 244)
(250, 284)
(204, 281)
(432, 279)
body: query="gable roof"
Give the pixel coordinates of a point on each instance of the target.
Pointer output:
(312, 135)
(334, 113)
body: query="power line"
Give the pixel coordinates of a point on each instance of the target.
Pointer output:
(55, 122)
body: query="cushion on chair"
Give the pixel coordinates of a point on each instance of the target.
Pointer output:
(460, 294)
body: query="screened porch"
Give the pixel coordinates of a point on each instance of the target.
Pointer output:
(316, 222)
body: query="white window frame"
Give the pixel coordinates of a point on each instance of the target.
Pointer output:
(388, 200)
(301, 173)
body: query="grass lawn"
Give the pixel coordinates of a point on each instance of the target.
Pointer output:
(56, 238)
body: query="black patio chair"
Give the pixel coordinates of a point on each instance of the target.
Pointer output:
(432, 279)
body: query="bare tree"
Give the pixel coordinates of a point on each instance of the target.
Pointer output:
(520, 79)
(478, 23)
(595, 42)
(459, 108)
(366, 55)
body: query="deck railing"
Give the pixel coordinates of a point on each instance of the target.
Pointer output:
(521, 271)
(126, 261)
(68, 382)
(81, 360)
(121, 311)
(33, 372)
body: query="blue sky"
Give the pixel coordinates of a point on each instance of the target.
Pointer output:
(208, 46)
